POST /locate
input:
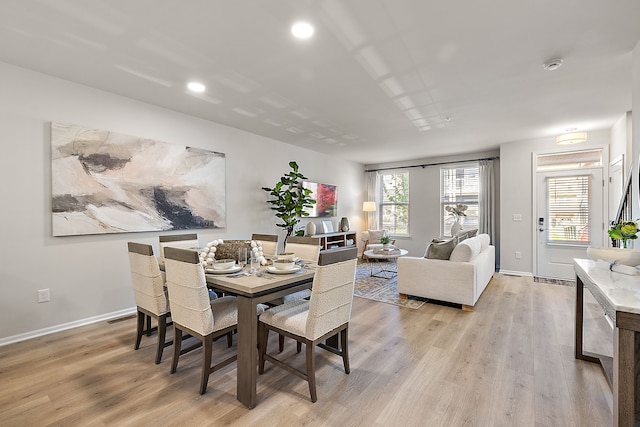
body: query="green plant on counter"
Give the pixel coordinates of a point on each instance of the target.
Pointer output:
(624, 230)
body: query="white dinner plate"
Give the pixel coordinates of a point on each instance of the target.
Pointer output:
(225, 271)
(279, 271)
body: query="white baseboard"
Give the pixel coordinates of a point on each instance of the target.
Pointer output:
(516, 273)
(65, 326)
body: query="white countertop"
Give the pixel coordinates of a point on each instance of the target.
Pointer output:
(621, 291)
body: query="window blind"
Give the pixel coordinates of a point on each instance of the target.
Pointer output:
(568, 200)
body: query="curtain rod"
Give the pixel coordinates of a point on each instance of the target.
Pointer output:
(432, 164)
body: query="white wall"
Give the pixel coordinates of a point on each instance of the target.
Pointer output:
(88, 276)
(621, 141)
(516, 195)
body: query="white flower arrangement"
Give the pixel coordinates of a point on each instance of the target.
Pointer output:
(208, 254)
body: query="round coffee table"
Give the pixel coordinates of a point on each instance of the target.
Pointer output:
(389, 262)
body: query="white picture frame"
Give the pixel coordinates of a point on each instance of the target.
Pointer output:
(327, 226)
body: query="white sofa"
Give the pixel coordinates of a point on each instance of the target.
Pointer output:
(460, 279)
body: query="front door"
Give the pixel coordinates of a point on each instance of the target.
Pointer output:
(568, 220)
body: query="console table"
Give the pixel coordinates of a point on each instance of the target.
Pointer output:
(336, 240)
(619, 296)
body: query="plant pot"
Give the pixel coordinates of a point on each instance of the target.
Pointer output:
(623, 256)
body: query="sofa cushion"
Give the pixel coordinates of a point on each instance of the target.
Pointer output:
(466, 251)
(439, 249)
(485, 241)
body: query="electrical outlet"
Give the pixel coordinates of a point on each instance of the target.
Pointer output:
(518, 255)
(43, 295)
(517, 217)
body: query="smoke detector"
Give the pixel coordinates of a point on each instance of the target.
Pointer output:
(553, 64)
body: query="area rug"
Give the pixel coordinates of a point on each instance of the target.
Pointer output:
(380, 289)
(560, 282)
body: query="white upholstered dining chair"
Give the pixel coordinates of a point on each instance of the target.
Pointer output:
(183, 241)
(149, 294)
(193, 313)
(305, 248)
(269, 243)
(324, 315)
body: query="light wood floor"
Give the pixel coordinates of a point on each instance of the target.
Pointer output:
(510, 362)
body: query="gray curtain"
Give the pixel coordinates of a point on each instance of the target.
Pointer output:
(373, 195)
(486, 199)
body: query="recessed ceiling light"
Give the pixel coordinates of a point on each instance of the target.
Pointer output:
(196, 87)
(553, 64)
(302, 30)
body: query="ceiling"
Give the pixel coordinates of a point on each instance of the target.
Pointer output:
(380, 81)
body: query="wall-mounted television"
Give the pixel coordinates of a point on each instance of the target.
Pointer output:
(326, 197)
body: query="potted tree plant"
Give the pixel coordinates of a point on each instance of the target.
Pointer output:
(290, 199)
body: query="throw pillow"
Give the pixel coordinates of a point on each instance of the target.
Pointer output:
(374, 235)
(440, 250)
(472, 233)
(461, 235)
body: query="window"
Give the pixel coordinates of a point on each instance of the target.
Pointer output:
(459, 185)
(394, 203)
(568, 209)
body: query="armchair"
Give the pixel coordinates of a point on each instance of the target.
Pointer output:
(371, 239)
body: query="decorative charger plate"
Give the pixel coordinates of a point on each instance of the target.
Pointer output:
(225, 271)
(288, 271)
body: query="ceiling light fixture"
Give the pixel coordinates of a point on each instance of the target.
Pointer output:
(553, 64)
(571, 138)
(196, 87)
(302, 30)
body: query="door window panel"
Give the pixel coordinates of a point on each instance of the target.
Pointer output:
(568, 200)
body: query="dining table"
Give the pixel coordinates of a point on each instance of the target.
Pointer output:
(250, 290)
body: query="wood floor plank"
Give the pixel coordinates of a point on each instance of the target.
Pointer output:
(508, 363)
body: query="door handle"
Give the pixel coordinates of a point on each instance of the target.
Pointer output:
(540, 229)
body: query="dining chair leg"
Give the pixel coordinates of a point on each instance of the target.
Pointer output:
(177, 344)
(344, 343)
(311, 370)
(230, 339)
(263, 339)
(162, 333)
(139, 329)
(148, 326)
(280, 343)
(207, 343)
(298, 346)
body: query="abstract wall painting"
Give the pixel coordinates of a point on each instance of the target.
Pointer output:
(106, 182)
(326, 197)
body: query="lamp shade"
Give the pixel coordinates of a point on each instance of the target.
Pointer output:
(571, 138)
(369, 206)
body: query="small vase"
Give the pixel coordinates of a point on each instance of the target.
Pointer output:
(344, 224)
(311, 229)
(455, 228)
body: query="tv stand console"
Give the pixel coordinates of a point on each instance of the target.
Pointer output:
(336, 240)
